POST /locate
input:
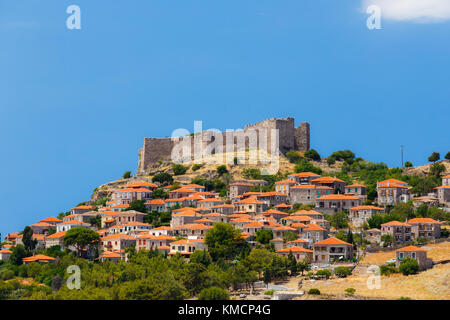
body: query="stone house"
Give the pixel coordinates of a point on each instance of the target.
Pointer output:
(392, 191)
(158, 205)
(184, 217)
(446, 180)
(116, 242)
(416, 253)
(334, 183)
(150, 242)
(194, 230)
(55, 239)
(272, 198)
(128, 195)
(66, 226)
(195, 187)
(314, 233)
(303, 177)
(111, 256)
(223, 209)
(359, 215)
(5, 254)
(279, 232)
(425, 228)
(358, 190)
(187, 246)
(42, 227)
(298, 243)
(216, 217)
(332, 249)
(373, 235)
(300, 253)
(181, 193)
(400, 231)
(283, 186)
(333, 203)
(308, 193)
(125, 217)
(250, 205)
(209, 203)
(163, 230)
(81, 209)
(443, 194)
(238, 188)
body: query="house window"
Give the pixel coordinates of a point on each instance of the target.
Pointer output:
(413, 255)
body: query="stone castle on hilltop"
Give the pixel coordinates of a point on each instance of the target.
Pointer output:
(290, 137)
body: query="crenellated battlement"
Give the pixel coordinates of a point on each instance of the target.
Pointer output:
(290, 137)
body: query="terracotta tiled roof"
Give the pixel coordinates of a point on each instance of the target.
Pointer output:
(294, 250)
(327, 180)
(286, 182)
(38, 257)
(411, 248)
(366, 208)
(51, 219)
(57, 235)
(423, 220)
(304, 174)
(338, 197)
(396, 223)
(331, 241)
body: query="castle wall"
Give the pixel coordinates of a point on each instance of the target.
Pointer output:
(290, 138)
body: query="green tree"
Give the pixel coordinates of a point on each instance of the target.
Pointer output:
(224, 241)
(214, 293)
(436, 169)
(338, 220)
(96, 221)
(435, 156)
(303, 265)
(306, 166)
(163, 178)
(179, 169)
(201, 257)
(387, 240)
(409, 266)
(221, 170)
(80, 238)
(408, 164)
(264, 236)
(138, 205)
(18, 253)
(312, 155)
(290, 236)
(447, 155)
(293, 156)
(160, 194)
(342, 272)
(27, 239)
(292, 263)
(127, 175)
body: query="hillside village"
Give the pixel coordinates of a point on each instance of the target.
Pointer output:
(322, 221)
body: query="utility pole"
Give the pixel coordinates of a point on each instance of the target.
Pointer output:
(401, 150)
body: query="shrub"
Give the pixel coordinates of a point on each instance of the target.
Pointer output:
(163, 178)
(196, 166)
(127, 175)
(314, 291)
(388, 269)
(324, 272)
(306, 166)
(409, 266)
(350, 291)
(213, 293)
(269, 293)
(312, 155)
(293, 156)
(408, 164)
(342, 272)
(179, 169)
(221, 170)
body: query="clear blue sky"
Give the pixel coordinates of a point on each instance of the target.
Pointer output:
(75, 105)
